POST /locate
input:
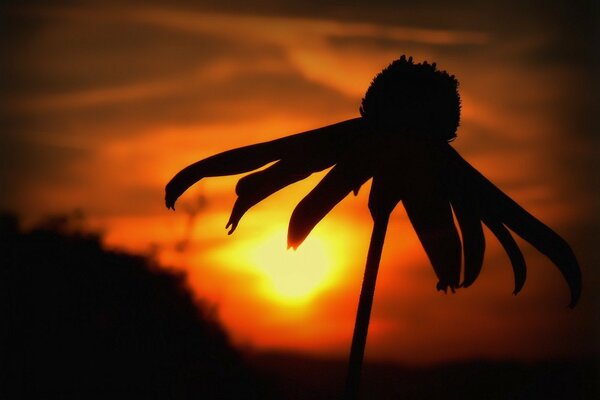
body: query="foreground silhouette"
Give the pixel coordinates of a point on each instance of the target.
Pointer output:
(301, 377)
(81, 322)
(409, 115)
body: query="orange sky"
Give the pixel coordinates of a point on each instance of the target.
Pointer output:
(102, 104)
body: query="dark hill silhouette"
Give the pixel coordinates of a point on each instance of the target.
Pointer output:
(82, 322)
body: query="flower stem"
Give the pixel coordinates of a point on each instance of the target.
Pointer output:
(363, 315)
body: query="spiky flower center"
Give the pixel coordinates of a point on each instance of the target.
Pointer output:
(413, 99)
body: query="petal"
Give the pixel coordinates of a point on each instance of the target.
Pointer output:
(431, 217)
(414, 172)
(315, 144)
(472, 238)
(498, 205)
(257, 186)
(344, 177)
(387, 189)
(466, 208)
(512, 249)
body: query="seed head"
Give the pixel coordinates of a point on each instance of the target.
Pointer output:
(413, 99)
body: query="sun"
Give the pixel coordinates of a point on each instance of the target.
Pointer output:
(285, 277)
(292, 276)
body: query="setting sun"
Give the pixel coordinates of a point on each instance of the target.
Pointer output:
(292, 277)
(285, 276)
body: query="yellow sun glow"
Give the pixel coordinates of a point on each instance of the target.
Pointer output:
(292, 276)
(284, 276)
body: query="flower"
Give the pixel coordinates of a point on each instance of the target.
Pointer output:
(409, 115)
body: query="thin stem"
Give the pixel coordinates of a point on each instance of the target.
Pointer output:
(363, 315)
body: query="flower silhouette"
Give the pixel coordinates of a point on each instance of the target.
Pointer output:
(409, 115)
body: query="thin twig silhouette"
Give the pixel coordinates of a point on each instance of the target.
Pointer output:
(192, 210)
(409, 115)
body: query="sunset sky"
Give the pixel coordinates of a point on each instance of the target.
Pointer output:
(101, 103)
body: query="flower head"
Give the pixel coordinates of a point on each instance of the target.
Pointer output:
(408, 115)
(411, 98)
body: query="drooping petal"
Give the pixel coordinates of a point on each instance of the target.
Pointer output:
(257, 186)
(386, 191)
(413, 171)
(315, 143)
(472, 238)
(512, 249)
(466, 208)
(431, 217)
(498, 205)
(345, 177)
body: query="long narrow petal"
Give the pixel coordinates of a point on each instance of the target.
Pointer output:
(314, 143)
(512, 249)
(257, 186)
(496, 203)
(472, 238)
(466, 208)
(344, 177)
(431, 217)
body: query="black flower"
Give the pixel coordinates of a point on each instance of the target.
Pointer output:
(409, 115)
